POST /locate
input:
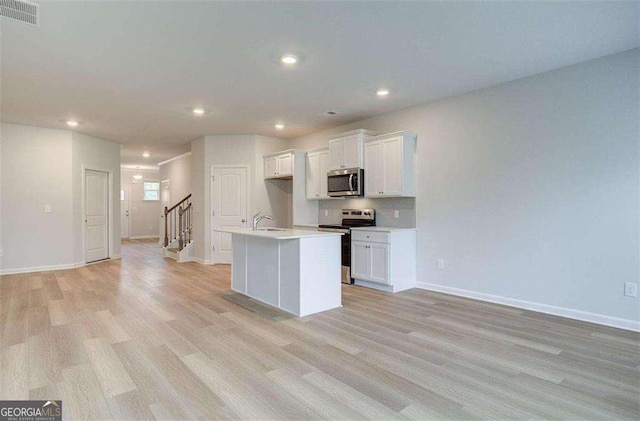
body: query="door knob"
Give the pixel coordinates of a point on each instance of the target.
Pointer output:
(244, 220)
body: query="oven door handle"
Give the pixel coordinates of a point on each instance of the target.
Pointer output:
(351, 182)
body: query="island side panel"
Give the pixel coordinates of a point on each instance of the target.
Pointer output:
(290, 276)
(239, 263)
(262, 269)
(320, 274)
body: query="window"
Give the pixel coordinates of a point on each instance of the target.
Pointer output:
(151, 190)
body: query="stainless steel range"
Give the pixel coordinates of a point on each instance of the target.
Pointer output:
(350, 218)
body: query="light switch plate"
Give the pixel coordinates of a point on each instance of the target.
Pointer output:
(440, 263)
(47, 208)
(326, 212)
(396, 214)
(630, 289)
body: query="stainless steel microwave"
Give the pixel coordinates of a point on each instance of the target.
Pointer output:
(348, 182)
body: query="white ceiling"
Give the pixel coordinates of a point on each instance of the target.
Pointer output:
(131, 71)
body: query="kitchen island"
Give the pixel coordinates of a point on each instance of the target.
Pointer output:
(298, 271)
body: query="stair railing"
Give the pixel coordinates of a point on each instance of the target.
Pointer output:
(177, 223)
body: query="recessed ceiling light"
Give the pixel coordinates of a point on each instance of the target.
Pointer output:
(382, 92)
(72, 123)
(198, 111)
(279, 126)
(146, 154)
(289, 59)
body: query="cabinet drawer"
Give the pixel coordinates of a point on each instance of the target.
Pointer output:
(370, 236)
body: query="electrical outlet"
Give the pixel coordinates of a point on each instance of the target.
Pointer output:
(321, 256)
(630, 289)
(47, 208)
(440, 263)
(396, 214)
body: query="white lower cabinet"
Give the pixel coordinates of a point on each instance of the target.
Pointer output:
(370, 261)
(384, 260)
(360, 260)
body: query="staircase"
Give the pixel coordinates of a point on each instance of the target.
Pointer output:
(178, 242)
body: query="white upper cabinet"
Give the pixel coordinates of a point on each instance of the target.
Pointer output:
(285, 164)
(313, 175)
(389, 165)
(270, 166)
(345, 149)
(336, 154)
(279, 165)
(324, 169)
(317, 168)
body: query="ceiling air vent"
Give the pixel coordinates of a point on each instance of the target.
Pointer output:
(20, 10)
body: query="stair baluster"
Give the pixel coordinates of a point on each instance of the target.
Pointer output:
(177, 223)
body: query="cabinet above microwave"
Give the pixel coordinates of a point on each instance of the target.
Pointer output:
(345, 149)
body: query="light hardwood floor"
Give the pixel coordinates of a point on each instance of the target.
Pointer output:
(147, 338)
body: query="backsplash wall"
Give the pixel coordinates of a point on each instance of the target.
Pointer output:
(406, 207)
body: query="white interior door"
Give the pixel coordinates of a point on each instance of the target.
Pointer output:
(228, 208)
(96, 211)
(125, 211)
(165, 200)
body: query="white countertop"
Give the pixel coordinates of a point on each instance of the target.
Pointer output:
(281, 234)
(306, 225)
(382, 229)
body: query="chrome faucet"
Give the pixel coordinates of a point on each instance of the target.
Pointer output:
(257, 218)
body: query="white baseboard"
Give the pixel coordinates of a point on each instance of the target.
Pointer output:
(202, 261)
(47, 268)
(142, 237)
(50, 268)
(585, 316)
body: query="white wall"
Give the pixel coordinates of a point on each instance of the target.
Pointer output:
(44, 167)
(198, 176)
(36, 171)
(92, 153)
(1, 252)
(529, 190)
(266, 196)
(144, 218)
(178, 172)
